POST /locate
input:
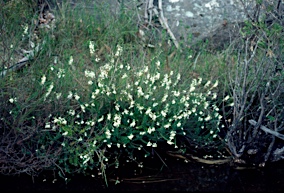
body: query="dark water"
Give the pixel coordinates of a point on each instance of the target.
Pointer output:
(155, 176)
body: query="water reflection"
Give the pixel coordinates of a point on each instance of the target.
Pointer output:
(178, 176)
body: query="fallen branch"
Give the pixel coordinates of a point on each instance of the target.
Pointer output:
(148, 14)
(22, 62)
(275, 133)
(164, 23)
(189, 157)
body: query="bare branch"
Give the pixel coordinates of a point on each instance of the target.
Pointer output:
(275, 133)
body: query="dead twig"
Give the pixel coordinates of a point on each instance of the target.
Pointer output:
(150, 9)
(275, 133)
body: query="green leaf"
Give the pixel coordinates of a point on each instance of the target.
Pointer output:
(271, 118)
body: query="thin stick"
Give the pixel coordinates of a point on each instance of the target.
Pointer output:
(164, 23)
(267, 130)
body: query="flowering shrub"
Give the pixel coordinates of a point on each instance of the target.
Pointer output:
(83, 104)
(131, 107)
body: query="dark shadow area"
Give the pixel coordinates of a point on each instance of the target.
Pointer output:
(177, 177)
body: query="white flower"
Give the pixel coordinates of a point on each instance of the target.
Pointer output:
(170, 142)
(178, 124)
(226, 98)
(101, 119)
(60, 73)
(90, 74)
(157, 76)
(43, 79)
(97, 59)
(231, 104)
(116, 120)
(155, 104)
(172, 134)
(125, 111)
(207, 83)
(117, 107)
(214, 96)
(83, 108)
(178, 76)
(47, 125)
(176, 93)
(164, 113)
(140, 91)
(65, 133)
(124, 76)
(148, 111)
(146, 69)
(153, 116)
(158, 63)
(207, 118)
(93, 95)
(70, 95)
(60, 120)
(132, 124)
(58, 95)
(206, 104)
(164, 98)
(142, 133)
(192, 88)
(150, 130)
(216, 84)
(26, 28)
(167, 125)
(149, 144)
(130, 136)
(108, 134)
(154, 145)
(71, 60)
(94, 143)
(86, 160)
(118, 51)
(49, 90)
(12, 100)
(92, 47)
(147, 96)
(76, 96)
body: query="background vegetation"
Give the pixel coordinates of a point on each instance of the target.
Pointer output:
(80, 89)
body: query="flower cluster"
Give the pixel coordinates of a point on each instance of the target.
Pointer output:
(136, 106)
